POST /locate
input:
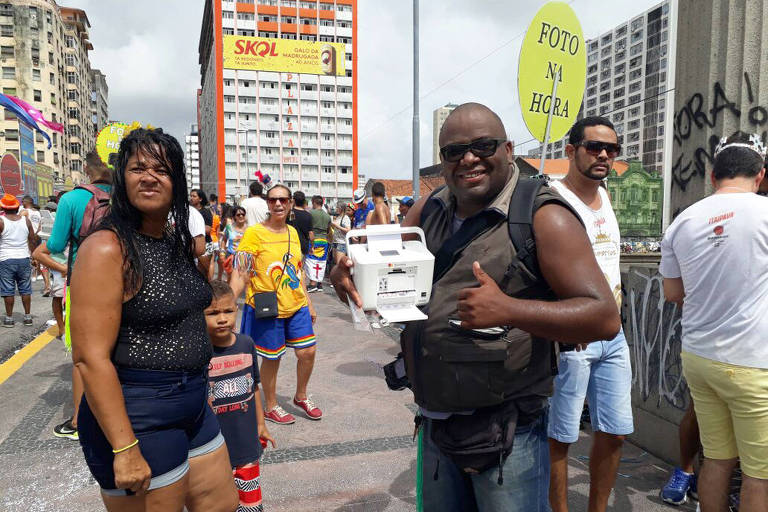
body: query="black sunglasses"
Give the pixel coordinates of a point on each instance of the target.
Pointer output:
(283, 200)
(481, 148)
(595, 147)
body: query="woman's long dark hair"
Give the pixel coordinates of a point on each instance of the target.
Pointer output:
(125, 220)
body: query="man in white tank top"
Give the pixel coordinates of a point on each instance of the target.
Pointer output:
(599, 371)
(16, 242)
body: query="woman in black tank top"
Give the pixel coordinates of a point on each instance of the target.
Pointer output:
(139, 340)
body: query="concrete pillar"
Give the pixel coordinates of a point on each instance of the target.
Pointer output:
(721, 86)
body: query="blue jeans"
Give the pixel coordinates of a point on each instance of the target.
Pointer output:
(15, 272)
(446, 488)
(603, 375)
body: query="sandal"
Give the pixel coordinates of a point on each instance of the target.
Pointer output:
(46, 293)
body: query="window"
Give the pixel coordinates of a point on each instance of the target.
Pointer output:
(287, 19)
(227, 15)
(636, 49)
(6, 30)
(618, 93)
(12, 134)
(606, 39)
(605, 98)
(245, 16)
(37, 95)
(605, 86)
(9, 90)
(53, 102)
(50, 58)
(36, 75)
(228, 31)
(6, 51)
(619, 80)
(618, 117)
(229, 98)
(618, 104)
(246, 33)
(634, 87)
(636, 62)
(288, 35)
(52, 78)
(634, 99)
(9, 73)
(41, 156)
(308, 21)
(592, 58)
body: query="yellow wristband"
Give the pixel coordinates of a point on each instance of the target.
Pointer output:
(126, 447)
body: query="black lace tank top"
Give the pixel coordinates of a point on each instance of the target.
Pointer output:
(163, 326)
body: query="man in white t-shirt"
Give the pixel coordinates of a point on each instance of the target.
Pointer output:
(255, 206)
(714, 259)
(600, 371)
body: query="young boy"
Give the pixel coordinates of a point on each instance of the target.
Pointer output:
(233, 393)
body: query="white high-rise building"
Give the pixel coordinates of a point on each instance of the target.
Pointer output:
(439, 116)
(278, 115)
(192, 158)
(627, 81)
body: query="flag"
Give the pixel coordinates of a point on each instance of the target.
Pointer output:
(37, 115)
(22, 114)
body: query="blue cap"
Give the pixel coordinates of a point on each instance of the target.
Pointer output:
(406, 200)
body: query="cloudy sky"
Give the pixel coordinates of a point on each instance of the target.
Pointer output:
(468, 52)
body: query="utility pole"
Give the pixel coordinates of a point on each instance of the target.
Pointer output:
(416, 187)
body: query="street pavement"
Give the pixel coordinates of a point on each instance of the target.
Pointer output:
(359, 457)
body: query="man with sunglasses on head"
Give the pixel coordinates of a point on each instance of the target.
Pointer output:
(600, 371)
(481, 366)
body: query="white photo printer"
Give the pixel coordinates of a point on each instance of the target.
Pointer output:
(392, 276)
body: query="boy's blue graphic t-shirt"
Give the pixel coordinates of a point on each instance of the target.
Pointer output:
(233, 375)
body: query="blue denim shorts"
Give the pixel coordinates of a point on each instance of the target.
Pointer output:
(13, 272)
(170, 417)
(603, 375)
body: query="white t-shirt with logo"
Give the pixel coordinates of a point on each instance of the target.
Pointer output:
(719, 247)
(603, 231)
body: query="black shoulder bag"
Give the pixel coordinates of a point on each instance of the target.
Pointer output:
(265, 303)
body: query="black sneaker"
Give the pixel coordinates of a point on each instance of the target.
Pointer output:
(311, 289)
(66, 430)
(320, 287)
(27, 319)
(8, 322)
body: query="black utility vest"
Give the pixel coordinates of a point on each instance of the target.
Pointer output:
(449, 369)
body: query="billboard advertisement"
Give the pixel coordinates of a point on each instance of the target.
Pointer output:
(44, 182)
(27, 153)
(10, 175)
(286, 55)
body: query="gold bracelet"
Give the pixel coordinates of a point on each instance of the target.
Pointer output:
(126, 447)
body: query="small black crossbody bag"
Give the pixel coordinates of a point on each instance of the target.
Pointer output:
(265, 303)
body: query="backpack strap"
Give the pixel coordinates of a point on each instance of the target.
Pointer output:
(520, 224)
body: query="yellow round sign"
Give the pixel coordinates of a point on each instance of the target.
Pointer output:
(108, 141)
(554, 42)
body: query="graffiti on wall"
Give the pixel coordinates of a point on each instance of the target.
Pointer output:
(696, 114)
(653, 331)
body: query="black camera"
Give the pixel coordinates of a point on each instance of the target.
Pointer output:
(394, 374)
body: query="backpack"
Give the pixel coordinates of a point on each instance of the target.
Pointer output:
(519, 223)
(97, 207)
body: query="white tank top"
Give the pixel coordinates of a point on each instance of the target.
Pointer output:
(603, 231)
(13, 239)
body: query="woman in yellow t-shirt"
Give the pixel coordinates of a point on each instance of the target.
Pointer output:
(269, 259)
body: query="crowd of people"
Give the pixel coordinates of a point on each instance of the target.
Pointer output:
(523, 326)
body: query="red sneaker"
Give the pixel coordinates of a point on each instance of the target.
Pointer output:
(312, 411)
(278, 415)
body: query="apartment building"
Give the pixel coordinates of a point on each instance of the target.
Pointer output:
(439, 116)
(44, 60)
(77, 69)
(265, 109)
(627, 81)
(99, 100)
(192, 157)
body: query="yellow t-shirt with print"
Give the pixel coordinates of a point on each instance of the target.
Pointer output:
(265, 252)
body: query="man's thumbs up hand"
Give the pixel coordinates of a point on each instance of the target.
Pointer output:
(483, 306)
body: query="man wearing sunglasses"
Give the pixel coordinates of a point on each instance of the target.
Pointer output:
(470, 382)
(601, 371)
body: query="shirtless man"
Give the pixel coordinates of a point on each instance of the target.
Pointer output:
(380, 213)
